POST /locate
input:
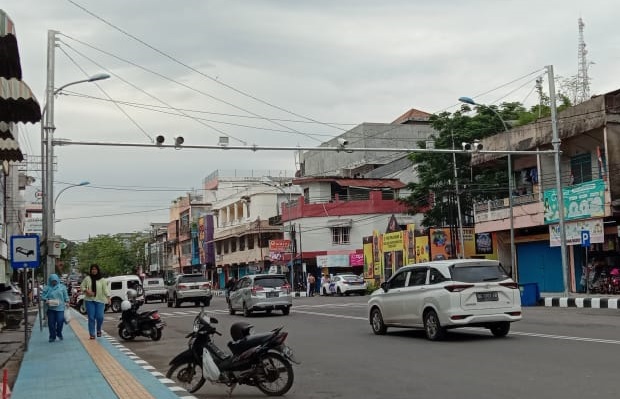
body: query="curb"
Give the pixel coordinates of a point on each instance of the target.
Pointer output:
(567, 302)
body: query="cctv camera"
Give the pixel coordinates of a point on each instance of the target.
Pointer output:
(178, 140)
(342, 142)
(159, 140)
(477, 145)
(466, 146)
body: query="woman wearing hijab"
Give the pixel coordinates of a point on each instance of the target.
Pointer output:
(55, 296)
(96, 296)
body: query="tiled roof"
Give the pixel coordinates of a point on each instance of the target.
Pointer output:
(412, 115)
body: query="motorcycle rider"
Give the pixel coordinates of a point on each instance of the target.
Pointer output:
(229, 286)
(130, 310)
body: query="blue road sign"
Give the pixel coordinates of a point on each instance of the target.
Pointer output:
(585, 238)
(25, 252)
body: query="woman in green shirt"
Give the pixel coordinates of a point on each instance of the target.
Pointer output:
(96, 296)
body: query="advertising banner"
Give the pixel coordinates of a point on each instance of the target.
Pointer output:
(441, 245)
(368, 259)
(393, 241)
(422, 252)
(581, 201)
(356, 259)
(280, 245)
(377, 251)
(409, 252)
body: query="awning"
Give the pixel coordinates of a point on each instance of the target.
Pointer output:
(17, 103)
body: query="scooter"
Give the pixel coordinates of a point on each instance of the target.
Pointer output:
(147, 324)
(260, 360)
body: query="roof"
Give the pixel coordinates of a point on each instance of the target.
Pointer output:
(361, 183)
(412, 115)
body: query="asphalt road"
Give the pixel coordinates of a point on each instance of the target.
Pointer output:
(551, 353)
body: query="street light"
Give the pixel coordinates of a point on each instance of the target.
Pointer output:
(47, 150)
(513, 261)
(290, 226)
(84, 183)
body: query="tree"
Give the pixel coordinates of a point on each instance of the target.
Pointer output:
(115, 254)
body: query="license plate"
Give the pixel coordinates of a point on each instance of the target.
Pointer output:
(487, 296)
(273, 294)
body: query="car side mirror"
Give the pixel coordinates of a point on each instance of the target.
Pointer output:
(385, 286)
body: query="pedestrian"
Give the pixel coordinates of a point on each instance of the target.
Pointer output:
(96, 296)
(311, 281)
(56, 297)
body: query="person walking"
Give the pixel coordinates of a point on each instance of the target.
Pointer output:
(311, 281)
(96, 296)
(56, 297)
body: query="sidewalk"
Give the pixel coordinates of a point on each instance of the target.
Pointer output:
(80, 368)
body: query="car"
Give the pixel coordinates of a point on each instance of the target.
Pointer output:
(446, 294)
(344, 284)
(189, 288)
(10, 297)
(261, 292)
(118, 286)
(154, 287)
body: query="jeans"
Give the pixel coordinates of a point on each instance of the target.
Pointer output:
(95, 311)
(55, 322)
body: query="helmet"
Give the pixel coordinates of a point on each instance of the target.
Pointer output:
(131, 294)
(240, 330)
(125, 305)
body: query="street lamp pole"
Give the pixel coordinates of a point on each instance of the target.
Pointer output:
(80, 184)
(47, 149)
(513, 259)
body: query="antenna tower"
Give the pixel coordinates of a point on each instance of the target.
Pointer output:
(583, 81)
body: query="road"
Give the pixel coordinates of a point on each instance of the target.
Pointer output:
(551, 353)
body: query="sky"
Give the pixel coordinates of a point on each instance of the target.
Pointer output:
(270, 73)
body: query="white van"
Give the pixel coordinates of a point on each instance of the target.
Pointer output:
(118, 286)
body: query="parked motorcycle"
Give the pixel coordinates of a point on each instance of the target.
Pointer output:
(260, 360)
(77, 300)
(147, 324)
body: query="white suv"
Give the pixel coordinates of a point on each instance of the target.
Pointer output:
(447, 294)
(118, 286)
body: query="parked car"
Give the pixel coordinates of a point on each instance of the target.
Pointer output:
(154, 288)
(10, 297)
(344, 284)
(118, 286)
(189, 288)
(261, 292)
(441, 295)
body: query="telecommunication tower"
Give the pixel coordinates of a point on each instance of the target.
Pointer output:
(583, 81)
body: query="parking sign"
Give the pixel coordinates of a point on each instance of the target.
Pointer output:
(585, 238)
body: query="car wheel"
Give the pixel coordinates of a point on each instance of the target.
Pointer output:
(206, 302)
(177, 301)
(286, 310)
(246, 312)
(376, 322)
(338, 291)
(500, 329)
(231, 311)
(432, 326)
(116, 306)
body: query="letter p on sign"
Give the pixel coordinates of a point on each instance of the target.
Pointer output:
(585, 238)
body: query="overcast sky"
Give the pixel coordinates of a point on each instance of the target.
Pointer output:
(343, 62)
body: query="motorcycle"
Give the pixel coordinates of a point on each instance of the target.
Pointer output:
(260, 360)
(147, 324)
(77, 301)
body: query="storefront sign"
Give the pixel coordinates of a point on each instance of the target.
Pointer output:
(581, 201)
(573, 232)
(280, 245)
(393, 241)
(356, 259)
(333, 260)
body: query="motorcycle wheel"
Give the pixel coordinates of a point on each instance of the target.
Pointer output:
(82, 307)
(125, 334)
(188, 375)
(155, 334)
(275, 377)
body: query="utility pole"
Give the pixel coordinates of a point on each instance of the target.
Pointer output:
(47, 157)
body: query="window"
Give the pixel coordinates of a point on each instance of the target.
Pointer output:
(340, 235)
(242, 243)
(233, 245)
(478, 274)
(116, 285)
(418, 277)
(581, 168)
(399, 279)
(436, 277)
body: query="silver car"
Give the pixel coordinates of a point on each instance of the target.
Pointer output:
(261, 292)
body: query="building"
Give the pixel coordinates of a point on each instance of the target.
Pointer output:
(590, 134)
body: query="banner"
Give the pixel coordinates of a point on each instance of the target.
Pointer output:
(377, 251)
(573, 232)
(409, 252)
(393, 241)
(356, 259)
(368, 259)
(280, 245)
(441, 245)
(581, 201)
(422, 252)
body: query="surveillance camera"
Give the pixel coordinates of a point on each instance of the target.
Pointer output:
(477, 145)
(466, 146)
(178, 141)
(159, 140)
(342, 142)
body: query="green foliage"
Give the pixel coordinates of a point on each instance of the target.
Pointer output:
(115, 254)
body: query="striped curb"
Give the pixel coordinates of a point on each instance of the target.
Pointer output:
(594, 303)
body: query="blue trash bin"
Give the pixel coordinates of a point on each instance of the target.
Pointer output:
(530, 295)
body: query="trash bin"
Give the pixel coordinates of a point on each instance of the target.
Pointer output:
(530, 295)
